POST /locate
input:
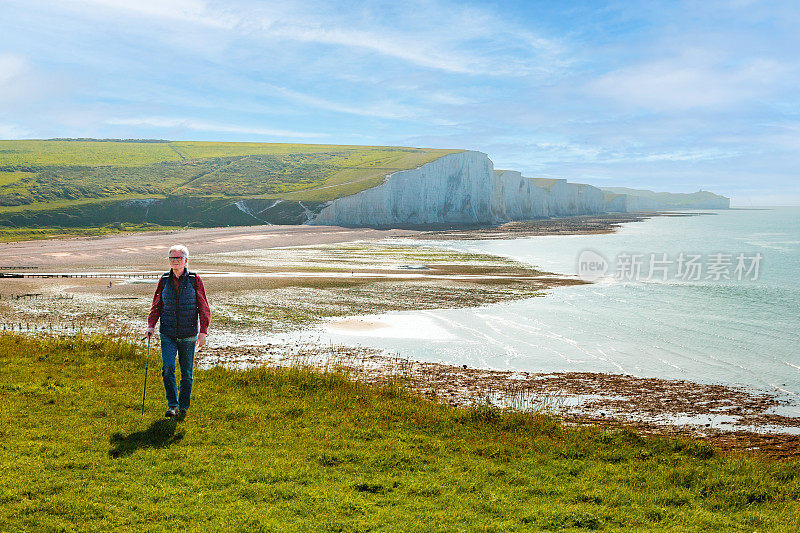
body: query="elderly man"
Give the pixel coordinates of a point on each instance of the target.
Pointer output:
(181, 305)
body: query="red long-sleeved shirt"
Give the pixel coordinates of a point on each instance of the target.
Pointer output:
(203, 311)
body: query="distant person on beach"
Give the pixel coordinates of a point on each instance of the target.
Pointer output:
(180, 303)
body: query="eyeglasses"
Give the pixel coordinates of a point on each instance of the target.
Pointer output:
(175, 258)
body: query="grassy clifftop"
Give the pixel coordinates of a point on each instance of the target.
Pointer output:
(42, 173)
(290, 449)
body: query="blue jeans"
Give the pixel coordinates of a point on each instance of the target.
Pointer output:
(184, 349)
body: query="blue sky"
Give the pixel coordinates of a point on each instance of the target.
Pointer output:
(671, 96)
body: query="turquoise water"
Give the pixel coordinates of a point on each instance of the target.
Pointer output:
(736, 332)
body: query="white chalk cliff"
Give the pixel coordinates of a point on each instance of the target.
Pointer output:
(460, 188)
(464, 188)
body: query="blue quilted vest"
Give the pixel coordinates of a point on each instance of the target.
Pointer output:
(179, 312)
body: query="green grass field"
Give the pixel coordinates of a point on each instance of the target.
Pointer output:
(47, 172)
(36, 153)
(292, 449)
(31, 234)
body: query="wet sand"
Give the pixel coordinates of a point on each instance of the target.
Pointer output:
(148, 249)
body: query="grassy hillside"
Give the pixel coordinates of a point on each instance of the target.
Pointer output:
(42, 173)
(60, 232)
(296, 450)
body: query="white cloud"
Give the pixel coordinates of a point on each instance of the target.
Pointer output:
(471, 42)
(413, 50)
(436, 35)
(608, 155)
(21, 84)
(383, 110)
(198, 125)
(12, 131)
(572, 151)
(688, 82)
(17, 81)
(194, 11)
(450, 99)
(11, 66)
(786, 137)
(686, 155)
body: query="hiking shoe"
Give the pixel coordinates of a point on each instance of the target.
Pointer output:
(171, 412)
(181, 415)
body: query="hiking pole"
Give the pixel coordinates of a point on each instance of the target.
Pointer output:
(146, 365)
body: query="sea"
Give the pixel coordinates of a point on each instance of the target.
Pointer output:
(710, 298)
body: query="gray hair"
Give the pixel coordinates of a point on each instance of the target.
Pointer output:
(179, 248)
